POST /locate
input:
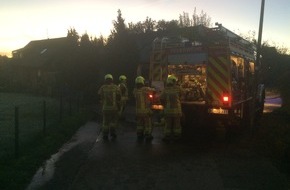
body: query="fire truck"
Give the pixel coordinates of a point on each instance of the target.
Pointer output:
(217, 72)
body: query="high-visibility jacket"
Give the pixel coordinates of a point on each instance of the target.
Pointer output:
(170, 97)
(142, 100)
(110, 97)
(124, 91)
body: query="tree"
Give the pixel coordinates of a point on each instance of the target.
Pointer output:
(137, 28)
(99, 43)
(149, 25)
(120, 28)
(73, 36)
(197, 19)
(201, 19)
(184, 20)
(121, 51)
(85, 41)
(163, 25)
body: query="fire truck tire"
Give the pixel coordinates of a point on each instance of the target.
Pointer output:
(248, 115)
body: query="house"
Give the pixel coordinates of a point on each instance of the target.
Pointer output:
(35, 67)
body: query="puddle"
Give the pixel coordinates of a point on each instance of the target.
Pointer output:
(272, 103)
(46, 172)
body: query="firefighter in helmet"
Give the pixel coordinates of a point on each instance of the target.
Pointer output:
(143, 110)
(124, 94)
(110, 95)
(170, 98)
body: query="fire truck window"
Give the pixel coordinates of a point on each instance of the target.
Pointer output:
(241, 67)
(252, 67)
(234, 70)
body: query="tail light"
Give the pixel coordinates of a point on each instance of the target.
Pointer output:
(150, 96)
(226, 99)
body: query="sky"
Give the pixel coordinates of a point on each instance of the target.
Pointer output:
(23, 21)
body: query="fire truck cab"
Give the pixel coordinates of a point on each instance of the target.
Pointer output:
(216, 70)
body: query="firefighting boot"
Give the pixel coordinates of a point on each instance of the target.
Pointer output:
(176, 138)
(166, 139)
(113, 136)
(148, 137)
(105, 137)
(140, 136)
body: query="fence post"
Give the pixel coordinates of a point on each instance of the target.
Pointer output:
(70, 105)
(44, 117)
(60, 108)
(78, 104)
(16, 131)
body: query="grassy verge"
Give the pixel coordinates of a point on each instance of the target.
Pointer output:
(17, 173)
(273, 137)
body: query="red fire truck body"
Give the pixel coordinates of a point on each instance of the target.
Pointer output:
(216, 72)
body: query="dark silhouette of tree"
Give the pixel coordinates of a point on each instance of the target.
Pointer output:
(73, 36)
(201, 19)
(85, 61)
(172, 25)
(149, 25)
(197, 19)
(184, 20)
(163, 25)
(85, 41)
(99, 43)
(121, 52)
(137, 28)
(120, 28)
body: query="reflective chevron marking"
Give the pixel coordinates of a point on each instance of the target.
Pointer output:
(218, 77)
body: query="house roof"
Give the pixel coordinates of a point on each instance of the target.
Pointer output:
(39, 52)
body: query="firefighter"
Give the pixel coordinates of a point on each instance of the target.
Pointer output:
(110, 96)
(170, 98)
(124, 94)
(143, 110)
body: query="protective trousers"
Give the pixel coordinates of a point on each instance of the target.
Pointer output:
(110, 121)
(172, 126)
(144, 125)
(123, 103)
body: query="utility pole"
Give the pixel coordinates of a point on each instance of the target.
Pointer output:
(260, 36)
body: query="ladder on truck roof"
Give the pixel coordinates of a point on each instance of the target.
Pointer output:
(237, 44)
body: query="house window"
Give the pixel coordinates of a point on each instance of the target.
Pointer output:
(44, 50)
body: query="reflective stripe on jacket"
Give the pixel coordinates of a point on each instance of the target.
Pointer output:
(124, 91)
(110, 97)
(142, 100)
(171, 98)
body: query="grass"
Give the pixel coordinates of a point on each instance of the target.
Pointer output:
(273, 136)
(30, 112)
(17, 173)
(35, 146)
(274, 139)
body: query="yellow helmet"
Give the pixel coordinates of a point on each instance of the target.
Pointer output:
(171, 79)
(122, 77)
(139, 80)
(108, 76)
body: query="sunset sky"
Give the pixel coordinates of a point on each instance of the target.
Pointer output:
(27, 20)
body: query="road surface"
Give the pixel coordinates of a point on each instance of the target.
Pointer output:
(86, 162)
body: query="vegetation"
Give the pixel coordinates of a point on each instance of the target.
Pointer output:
(272, 139)
(87, 59)
(17, 173)
(82, 65)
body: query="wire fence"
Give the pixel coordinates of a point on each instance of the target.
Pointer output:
(24, 117)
